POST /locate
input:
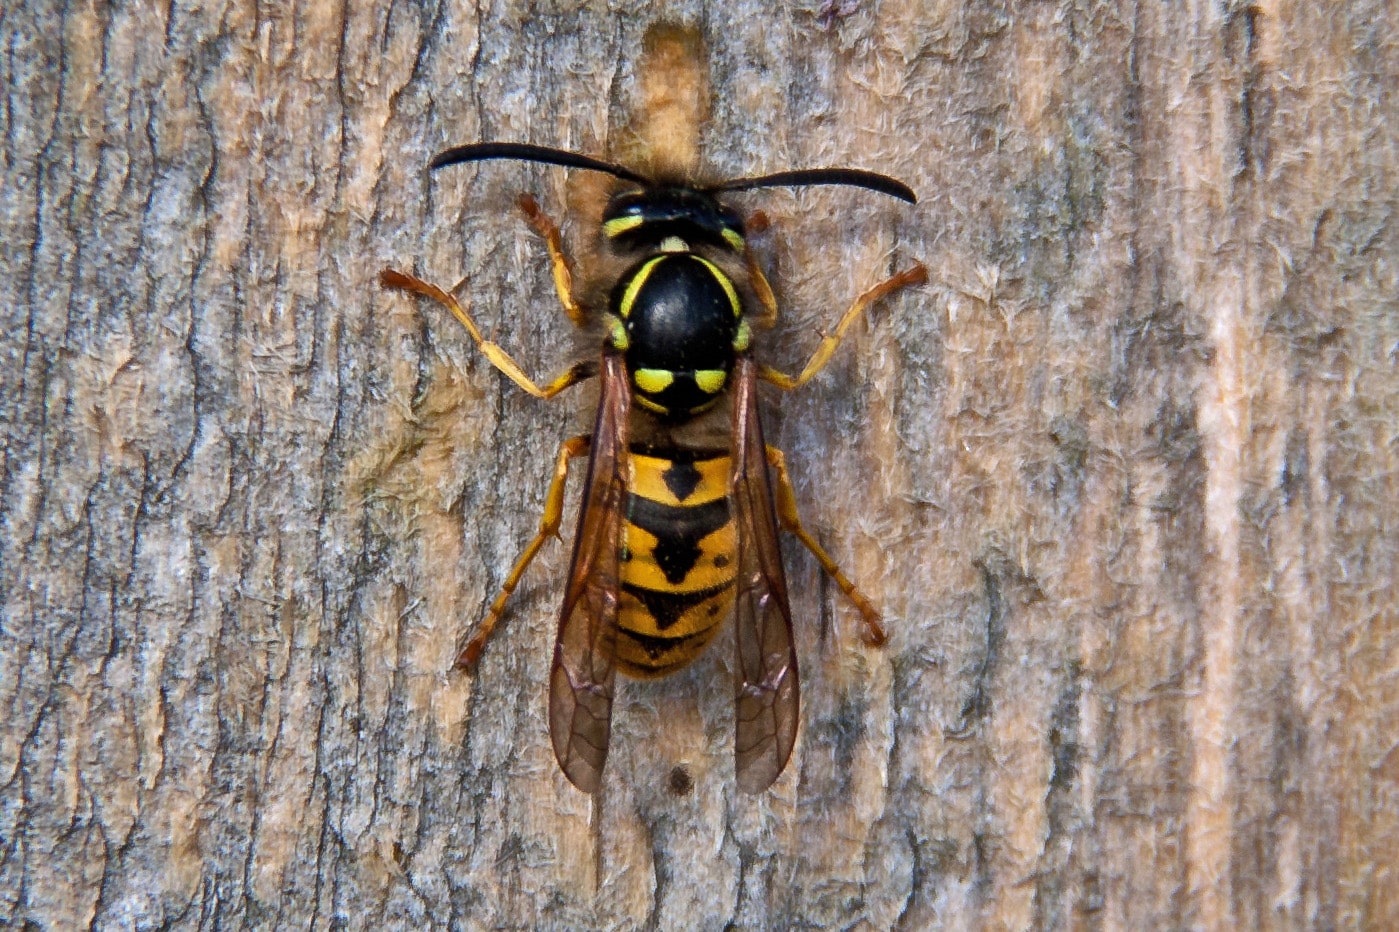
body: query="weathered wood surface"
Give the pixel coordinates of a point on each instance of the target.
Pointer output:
(1123, 476)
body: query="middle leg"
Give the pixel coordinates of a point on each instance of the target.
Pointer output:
(494, 353)
(911, 276)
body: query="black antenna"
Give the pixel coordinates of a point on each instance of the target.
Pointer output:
(526, 152)
(480, 151)
(855, 177)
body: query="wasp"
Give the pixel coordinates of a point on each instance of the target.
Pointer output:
(678, 525)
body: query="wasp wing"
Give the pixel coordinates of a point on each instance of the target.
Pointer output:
(766, 674)
(583, 674)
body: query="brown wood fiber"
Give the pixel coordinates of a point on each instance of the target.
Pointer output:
(1122, 476)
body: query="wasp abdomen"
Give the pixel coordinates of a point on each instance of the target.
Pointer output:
(677, 567)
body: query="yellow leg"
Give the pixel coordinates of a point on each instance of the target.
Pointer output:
(757, 223)
(787, 514)
(497, 357)
(548, 527)
(563, 277)
(913, 276)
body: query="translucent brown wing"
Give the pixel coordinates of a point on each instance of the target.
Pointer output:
(582, 678)
(765, 684)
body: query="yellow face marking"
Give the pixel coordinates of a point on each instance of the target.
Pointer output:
(744, 337)
(619, 225)
(733, 238)
(711, 381)
(634, 286)
(728, 286)
(652, 381)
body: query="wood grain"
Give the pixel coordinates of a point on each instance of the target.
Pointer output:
(1122, 477)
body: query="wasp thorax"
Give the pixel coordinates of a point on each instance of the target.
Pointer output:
(680, 315)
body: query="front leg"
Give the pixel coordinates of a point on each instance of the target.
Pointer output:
(558, 262)
(757, 223)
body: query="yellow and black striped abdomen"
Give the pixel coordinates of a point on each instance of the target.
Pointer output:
(678, 561)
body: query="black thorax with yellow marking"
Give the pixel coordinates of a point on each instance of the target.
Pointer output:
(675, 315)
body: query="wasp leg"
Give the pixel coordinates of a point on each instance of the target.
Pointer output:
(787, 514)
(563, 277)
(757, 223)
(548, 527)
(493, 352)
(912, 276)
